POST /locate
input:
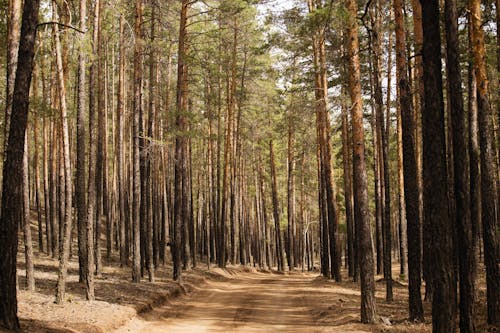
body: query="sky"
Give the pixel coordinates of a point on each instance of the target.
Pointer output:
(275, 5)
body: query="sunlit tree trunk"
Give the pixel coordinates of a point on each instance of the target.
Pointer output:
(368, 305)
(68, 183)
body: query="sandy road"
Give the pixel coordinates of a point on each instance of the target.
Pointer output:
(250, 302)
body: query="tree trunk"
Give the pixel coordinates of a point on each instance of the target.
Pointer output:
(136, 127)
(13, 31)
(68, 184)
(276, 210)
(349, 208)
(466, 244)
(436, 207)
(368, 306)
(291, 196)
(36, 168)
(28, 244)
(181, 192)
(410, 170)
(80, 188)
(120, 113)
(489, 170)
(12, 168)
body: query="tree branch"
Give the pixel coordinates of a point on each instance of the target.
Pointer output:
(62, 25)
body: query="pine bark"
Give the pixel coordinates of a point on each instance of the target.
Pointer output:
(68, 184)
(436, 206)
(276, 210)
(368, 305)
(28, 244)
(292, 230)
(181, 193)
(12, 168)
(120, 115)
(466, 244)
(80, 188)
(489, 169)
(410, 169)
(136, 183)
(13, 31)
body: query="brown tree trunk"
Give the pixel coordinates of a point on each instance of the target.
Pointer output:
(12, 168)
(489, 174)
(368, 306)
(410, 169)
(80, 188)
(28, 244)
(120, 115)
(349, 208)
(436, 206)
(291, 196)
(418, 105)
(327, 192)
(474, 154)
(91, 195)
(13, 31)
(276, 210)
(68, 184)
(466, 243)
(100, 176)
(36, 168)
(136, 191)
(181, 193)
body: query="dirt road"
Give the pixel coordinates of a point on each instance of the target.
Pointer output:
(257, 302)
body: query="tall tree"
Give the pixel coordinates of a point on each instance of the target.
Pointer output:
(436, 207)
(410, 169)
(361, 216)
(181, 144)
(465, 241)
(28, 245)
(276, 210)
(13, 167)
(136, 192)
(68, 176)
(91, 190)
(489, 170)
(119, 149)
(327, 191)
(13, 27)
(80, 186)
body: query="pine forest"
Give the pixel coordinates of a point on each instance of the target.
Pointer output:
(249, 166)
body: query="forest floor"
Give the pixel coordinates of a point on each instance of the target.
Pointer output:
(237, 299)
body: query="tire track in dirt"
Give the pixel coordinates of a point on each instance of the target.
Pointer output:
(249, 302)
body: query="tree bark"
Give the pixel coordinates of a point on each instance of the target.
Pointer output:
(12, 185)
(368, 306)
(80, 188)
(276, 210)
(181, 193)
(489, 169)
(436, 206)
(410, 170)
(120, 115)
(68, 184)
(466, 244)
(13, 31)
